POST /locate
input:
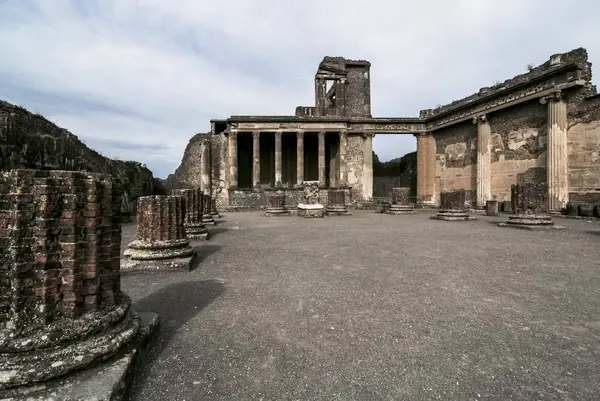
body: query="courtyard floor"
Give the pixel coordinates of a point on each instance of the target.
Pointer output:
(376, 307)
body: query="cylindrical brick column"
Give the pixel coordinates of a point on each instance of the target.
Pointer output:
(256, 159)
(276, 204)
(213, 208)
(299, 158)
(558, 185)
(336, 202)
(453, 206)
(484, 188)
(343, 166)
(530, 205)
(194, 227)
(207, 214)
(425, 168)
(61, 305)
(160, 230)
(400, 201)
(321, 159)
(278, 163)
(232, 156)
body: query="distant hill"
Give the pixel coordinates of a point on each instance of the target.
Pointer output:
(398, 172)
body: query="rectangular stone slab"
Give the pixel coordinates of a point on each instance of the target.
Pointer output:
(108, 381)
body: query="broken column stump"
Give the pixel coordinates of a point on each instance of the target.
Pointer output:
(194, 227)
(276, 204)
(453, 207)
(400, 201)
(507, 207)
(336, 202)
(491, 208)
(207, 214)
(213, 208)
(161, 239)
(530, 207)
(67, 331)
(311, 206)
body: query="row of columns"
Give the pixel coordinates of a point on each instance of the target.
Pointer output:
(557, 163)
(232, 155)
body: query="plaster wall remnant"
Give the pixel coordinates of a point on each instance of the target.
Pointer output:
(62, 310)
(520, 140)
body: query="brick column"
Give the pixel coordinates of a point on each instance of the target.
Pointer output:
(278, 163)
(233, 173)
(484, 185)
(558, 184)
(368, 166)
(299, 157)
(321, 158)
(256, 159)
(425, 168)
(205, 176)
(343, 166)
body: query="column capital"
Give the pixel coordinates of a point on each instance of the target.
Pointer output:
(343, 133)
(255, 134)
(368, 135)
(552, 97)
(423, 134)
(278, 134)
(299, 134)
(480, 119)
(322, 135)
(233, 133)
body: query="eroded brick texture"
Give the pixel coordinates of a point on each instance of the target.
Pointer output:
(160, 218)
(207, 205)
(193, 205)
(336, 197)
(401, 195)
(60, 241)
(529, 198)
(453, 200)
(276, 200)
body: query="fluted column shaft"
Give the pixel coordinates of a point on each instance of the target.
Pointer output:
(299, 157)
(278, 174)
(368, 166)
(256, 159)
(558, 185)
(233, 168)
(483, 179)
(426, 168)
(343, 166)
(205, 166)
(321, 158)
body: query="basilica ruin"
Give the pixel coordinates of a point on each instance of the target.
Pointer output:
(541, 126)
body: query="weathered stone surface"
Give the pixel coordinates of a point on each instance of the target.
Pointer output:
(276, 204)
(194, 227)
(453, 207)
(401, 204)
(161, 235)
(61, 306)
(336, 202)
(311, 210)
(491, 208)
(530, 207)
(207, 213)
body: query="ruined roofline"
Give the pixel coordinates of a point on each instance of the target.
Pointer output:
(332, 119)
(574, 59)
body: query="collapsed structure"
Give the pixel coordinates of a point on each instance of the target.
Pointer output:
(541, 126)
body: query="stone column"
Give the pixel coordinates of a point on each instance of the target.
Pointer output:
(343, 166)
(233, 173)
(320, 96)
(321, 158)
(256, 159)
(558, 185)
(278, 177)
(192, 222)
(205, 169)
(484, 178)
(299, 157)
(368, 166)
(425, 168)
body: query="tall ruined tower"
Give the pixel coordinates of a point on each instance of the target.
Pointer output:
(342, 89)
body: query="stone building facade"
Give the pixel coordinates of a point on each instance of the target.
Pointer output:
(541, 126)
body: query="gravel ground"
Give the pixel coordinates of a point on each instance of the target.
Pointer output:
(376, 307)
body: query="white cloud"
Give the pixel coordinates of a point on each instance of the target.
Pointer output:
(182, 62)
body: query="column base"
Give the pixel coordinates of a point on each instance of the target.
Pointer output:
(311, 211)
(396, 209)
(208, 220)
(337, 210)
(531, 222)
(453, 215)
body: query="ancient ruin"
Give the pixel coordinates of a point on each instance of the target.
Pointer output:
(453, 207)
(192, 222)
(336, 202)
(276, 204)
(400, 202)
(530, 207)
(491, 208)
(207, 212)
(161, 241)
(62, 311)
(513, 132)
(311, 205)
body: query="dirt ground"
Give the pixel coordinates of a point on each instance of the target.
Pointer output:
(376, 307)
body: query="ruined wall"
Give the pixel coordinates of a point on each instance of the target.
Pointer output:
(187, 175)
(456, 159)
(583, 138)
(355, 163)
(518, 147)
(30, 141)
(400, 172)
(358, 92)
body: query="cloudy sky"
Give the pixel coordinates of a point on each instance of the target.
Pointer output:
(135, 79)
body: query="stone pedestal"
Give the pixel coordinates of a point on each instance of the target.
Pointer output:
(336, 202)
(194, 227)
(207, 214)
(507, 207)
(62, 311)
(161, 239)
(311, 207)
(453, 207)
(530, 206)
(276, 204)
(491, 208)
(400, 202)
(213, 209)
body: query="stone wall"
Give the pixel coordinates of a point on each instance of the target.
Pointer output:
(188, 174)
(355, 166)
(30, 141)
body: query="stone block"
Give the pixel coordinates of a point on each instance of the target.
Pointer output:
(336, 202)
(311, 210)
(276, 204)
(491, 208)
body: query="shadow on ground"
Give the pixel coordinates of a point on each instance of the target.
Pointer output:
(175, 305)
(203, 251)
(214, 231)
